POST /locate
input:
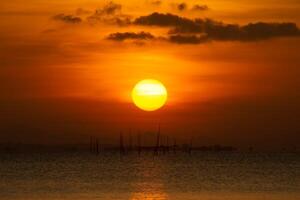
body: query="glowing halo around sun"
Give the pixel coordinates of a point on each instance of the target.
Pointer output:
(149, 95)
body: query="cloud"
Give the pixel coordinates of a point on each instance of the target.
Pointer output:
(263, 30)
(130, 35)
(110, 14)
(156, 2)
(207, 29)
(109, 9)
(182, 6)
(168, 20)
(160, 19)
(67, 18)
(121, 20)
(249, 32)
(198, 7)
(187, 39)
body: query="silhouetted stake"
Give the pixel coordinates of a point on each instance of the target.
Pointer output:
(157, 141)
(97, 146)
(91, 144)
(163, 145)
(121, 144)
(250, 149)
(167, 144)
(190, 146)
(130, 140)
(174, 146)
(139, 144)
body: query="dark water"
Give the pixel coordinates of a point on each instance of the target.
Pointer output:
(181, 176)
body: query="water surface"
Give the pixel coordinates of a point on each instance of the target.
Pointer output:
(202, 175)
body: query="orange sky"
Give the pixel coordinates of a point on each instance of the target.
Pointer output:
(62, 79)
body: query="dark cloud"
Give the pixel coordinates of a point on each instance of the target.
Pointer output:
(169, 20)
(263, 30)
(207, 29)
(109, 9)
(249, 32)
(182, 6)
(67, 18)
(121, 20)
(110, 14)
(187, 39)
(160, 19)
(198, 7)
(130, 35)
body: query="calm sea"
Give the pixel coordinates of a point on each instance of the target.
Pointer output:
(180, 176)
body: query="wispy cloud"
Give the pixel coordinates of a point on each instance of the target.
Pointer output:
(199, 7)
(109, 9)
(156, 2)
(67, 18)
(185, 7)
(110, 13)
(130, 35)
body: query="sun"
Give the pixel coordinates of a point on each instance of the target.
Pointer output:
(149, 94)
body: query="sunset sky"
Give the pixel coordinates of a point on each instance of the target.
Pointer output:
(231, 68)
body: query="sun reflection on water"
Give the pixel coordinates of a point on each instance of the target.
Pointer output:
(153, 195)
(149, 185)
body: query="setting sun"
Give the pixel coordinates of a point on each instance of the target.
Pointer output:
(149, 95)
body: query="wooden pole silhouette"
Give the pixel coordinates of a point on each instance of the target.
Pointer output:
(91, 144)
(190, 146)
(139, 144)
(167, 145)
(130, 140)
(122, 150)
(97, 146)
(163, 144)
(157, 141)
(174, 146)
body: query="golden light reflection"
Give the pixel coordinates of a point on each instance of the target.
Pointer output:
(154, 195)
(150, 184)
